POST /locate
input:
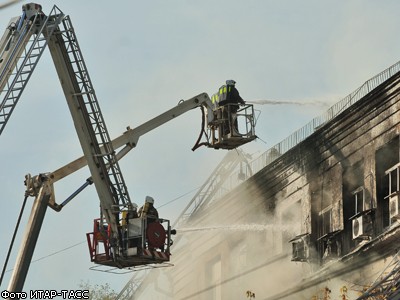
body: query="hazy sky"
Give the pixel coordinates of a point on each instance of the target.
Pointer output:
(143, 57)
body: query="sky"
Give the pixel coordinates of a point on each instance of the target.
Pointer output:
(143, 57)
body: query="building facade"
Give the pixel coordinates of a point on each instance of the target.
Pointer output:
(320, 220)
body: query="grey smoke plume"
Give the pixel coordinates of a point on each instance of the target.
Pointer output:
(278, 102)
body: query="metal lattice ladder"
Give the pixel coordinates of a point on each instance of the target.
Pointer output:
(89, 105)
(387, 285)
(214, 186)
(23, 61)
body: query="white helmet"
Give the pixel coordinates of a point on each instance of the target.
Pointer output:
(230, 82)
(149, 200)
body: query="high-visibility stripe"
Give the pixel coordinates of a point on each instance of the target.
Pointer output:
(156, 254)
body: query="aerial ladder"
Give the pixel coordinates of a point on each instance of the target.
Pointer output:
(21, 47)
(387, 285)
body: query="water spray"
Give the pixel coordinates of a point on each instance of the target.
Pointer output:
(239, 227)
(277, 102)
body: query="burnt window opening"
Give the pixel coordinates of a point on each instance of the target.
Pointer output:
(300, 247)
(332, 249)
(329, 241)
(386, 159)
(354, 197)
(325, 222)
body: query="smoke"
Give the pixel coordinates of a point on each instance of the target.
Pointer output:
(233, 249)
(239, 246)
(280, 102)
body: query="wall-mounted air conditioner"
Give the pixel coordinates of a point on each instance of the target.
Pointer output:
(394, 208)
(362, 227)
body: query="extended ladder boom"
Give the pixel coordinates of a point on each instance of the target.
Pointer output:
(21, 47)
(56, 30)
(89, 122)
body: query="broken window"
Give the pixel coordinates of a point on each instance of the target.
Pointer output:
(332, 249)
(330, 204)
(300, 247)
(325, 221)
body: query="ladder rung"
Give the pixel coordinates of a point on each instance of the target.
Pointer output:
(82, 93)
(6, 106)
(16, 89)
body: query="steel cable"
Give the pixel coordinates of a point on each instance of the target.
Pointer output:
(13, 239)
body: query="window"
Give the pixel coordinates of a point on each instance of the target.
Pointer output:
(359, 201)
(392, 178)
(332, 249)
(386, 160)
(326, 221)
(392, 183)
(300, 247)
(358, 195)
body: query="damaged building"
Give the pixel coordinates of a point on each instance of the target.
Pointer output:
(314, 217)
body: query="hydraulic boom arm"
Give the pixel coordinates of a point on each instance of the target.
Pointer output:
(129, 139)
(30, 34)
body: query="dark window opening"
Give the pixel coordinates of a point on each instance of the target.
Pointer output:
(353, 201)
(300, 247)
(325, 222)
(385, 159)
(332, 249)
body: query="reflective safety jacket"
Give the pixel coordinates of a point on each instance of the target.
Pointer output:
(226, 95)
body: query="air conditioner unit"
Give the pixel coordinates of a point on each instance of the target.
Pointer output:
(394, 208)
(362, 227)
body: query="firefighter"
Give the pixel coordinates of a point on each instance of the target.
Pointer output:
(230, 99)
(230, 95)
(148, 210)
(130, 213)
